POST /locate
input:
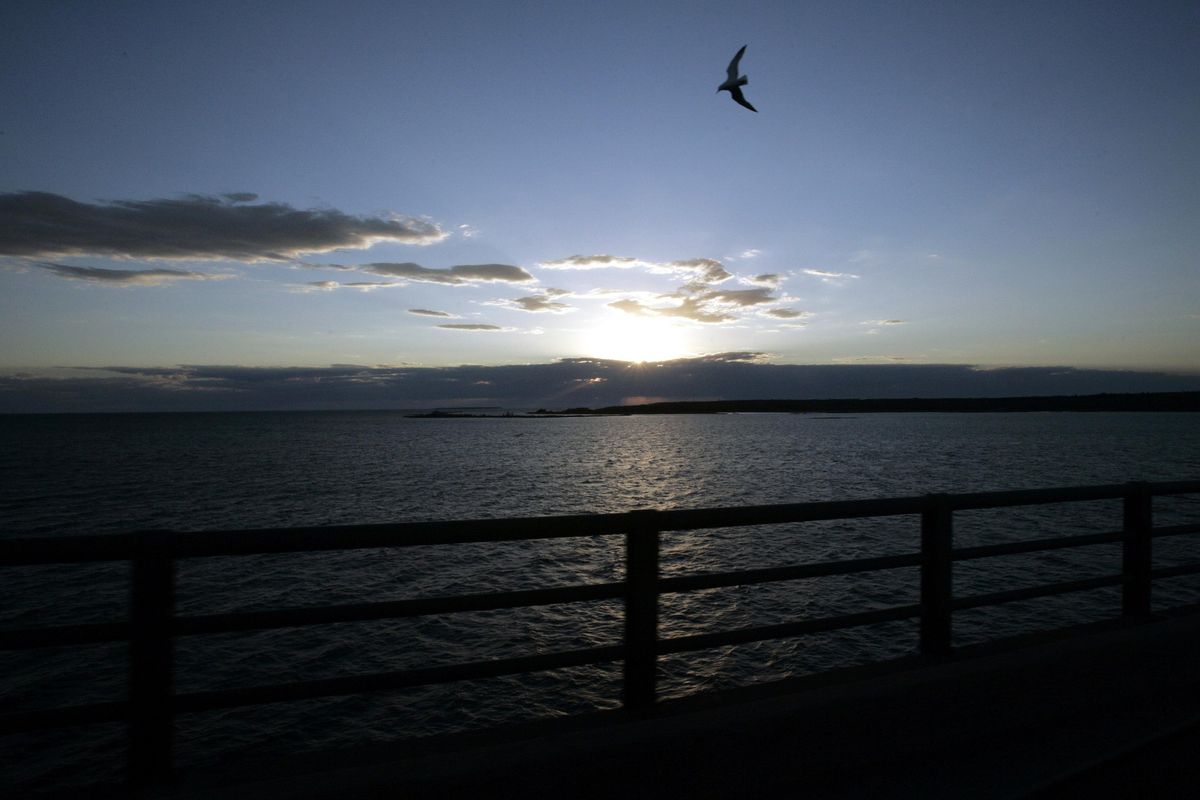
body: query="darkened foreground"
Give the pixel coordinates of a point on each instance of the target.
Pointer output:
(1096, 712)
(153, 625)
(1152, 401)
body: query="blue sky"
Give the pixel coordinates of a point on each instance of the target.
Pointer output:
(989, 184)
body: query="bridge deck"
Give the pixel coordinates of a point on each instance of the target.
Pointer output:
(1051, 716)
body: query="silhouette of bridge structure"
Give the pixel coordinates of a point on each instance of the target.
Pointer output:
(153, 625)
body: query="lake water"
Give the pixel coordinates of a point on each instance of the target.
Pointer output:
(100, 474)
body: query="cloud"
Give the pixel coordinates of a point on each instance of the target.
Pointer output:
(733, 357)
(129, 277)
(631, 306)
(472, 326)
(738, 297)
(696, 270)
(425, 312)
(870, 360)
(366, 286)
(830, 277)
(199, 227)
(699, 303)
(467, 232)
(876, 324)
(771, 279)
(785, 313)
(454, 276)
(538, 303)
(592, 262)
(745, 255)
(362, 286)
(689, 308)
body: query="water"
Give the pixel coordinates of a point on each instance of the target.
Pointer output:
(98, 474)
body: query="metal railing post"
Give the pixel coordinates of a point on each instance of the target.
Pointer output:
(1136, 553)
(151, 662)
(641, 610)
(937, 535)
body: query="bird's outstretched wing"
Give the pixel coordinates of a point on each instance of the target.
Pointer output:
(732, 71)
(740, 99)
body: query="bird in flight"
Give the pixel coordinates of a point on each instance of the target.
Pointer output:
(734, 83)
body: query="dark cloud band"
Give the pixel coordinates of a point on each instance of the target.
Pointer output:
(569, 382)
(537, 303)
(128, 277)
(471, 326)
(40, 224)
(454, 276)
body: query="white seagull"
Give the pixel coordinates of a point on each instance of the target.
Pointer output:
(734, 83)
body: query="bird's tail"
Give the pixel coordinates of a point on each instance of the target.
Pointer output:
(742, 81)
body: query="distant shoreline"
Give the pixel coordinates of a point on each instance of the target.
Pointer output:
(1146, 401)
(539, 414)
(1151, 401)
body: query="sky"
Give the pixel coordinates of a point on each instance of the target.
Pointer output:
(309, 195)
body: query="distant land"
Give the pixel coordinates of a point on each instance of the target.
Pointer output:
(1148, 401)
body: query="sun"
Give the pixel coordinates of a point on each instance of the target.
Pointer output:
(637, 339)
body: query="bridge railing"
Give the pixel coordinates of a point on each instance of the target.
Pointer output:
(153, 625)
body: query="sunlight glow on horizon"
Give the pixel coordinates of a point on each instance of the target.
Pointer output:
(636, 339)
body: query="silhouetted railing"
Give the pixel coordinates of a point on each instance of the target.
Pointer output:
(152, 625)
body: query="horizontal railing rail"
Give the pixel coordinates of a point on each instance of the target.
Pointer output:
(121, 547)
(153, 625)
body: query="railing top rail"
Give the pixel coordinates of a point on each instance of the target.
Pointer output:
(1030, 497)
(112, 547)
(727, 517)
(1065, 494)
(1174, 487)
